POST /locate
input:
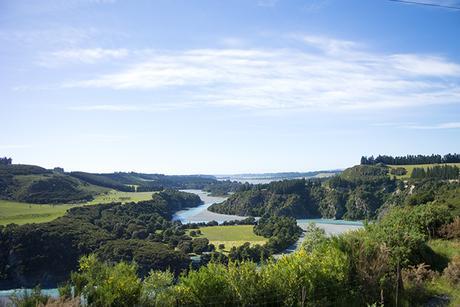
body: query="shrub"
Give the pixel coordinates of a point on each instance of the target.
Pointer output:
(452, 272)
(156, 287)
(452, 230)
(399, 171)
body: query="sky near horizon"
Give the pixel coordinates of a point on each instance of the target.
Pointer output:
(221, 87)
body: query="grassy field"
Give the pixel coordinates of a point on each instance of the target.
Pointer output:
(117, 196)
(409, 168)
(231, 235)
(22, 213)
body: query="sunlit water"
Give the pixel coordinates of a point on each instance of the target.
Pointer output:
(201, 214)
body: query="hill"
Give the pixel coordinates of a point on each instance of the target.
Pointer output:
(34, 184)
(359, 192)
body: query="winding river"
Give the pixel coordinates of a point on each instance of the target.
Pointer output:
(201, 214)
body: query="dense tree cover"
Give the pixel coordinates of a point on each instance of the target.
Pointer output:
(295, 198)
(223, 188)
(438, 171)
(6, 161)
(357, 193)
(46, 253)
(282, 232)
(355, 269)
(411, 159)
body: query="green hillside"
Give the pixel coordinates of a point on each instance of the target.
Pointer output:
(33, 184)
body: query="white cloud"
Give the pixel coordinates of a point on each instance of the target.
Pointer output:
(327, 44)
(334, 75)
(450, 125)
(89, 56)
(123, 107)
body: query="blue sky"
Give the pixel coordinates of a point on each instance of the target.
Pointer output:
(184, 87)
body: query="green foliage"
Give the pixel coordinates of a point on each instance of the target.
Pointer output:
(282, 231)
(105, 285)
(438, 171)
(314, 237)
(156, 289)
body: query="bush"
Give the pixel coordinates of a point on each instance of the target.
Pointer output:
(105, 285)
(452, 272)
(399, 171)
(452, 230)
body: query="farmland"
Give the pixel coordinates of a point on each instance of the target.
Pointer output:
(411, 167)
(231, 235)
(23, 213)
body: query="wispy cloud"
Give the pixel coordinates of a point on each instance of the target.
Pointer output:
(123, 107)
(323, 73)
(450, 125)
(416, 126)
(89, 56)
(267, 3)
(106, 107)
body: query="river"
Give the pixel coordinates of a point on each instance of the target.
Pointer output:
(201, 214)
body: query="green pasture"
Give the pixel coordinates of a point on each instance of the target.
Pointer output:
(411, 167)
(231, 235)
(23, 213)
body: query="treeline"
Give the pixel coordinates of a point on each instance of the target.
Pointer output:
(438, 171)
(411, 159)
(387, 263)
(6, 161)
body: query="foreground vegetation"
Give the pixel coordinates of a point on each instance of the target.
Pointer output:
(389, 262)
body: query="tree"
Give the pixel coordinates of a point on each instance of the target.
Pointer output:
(6, 161)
